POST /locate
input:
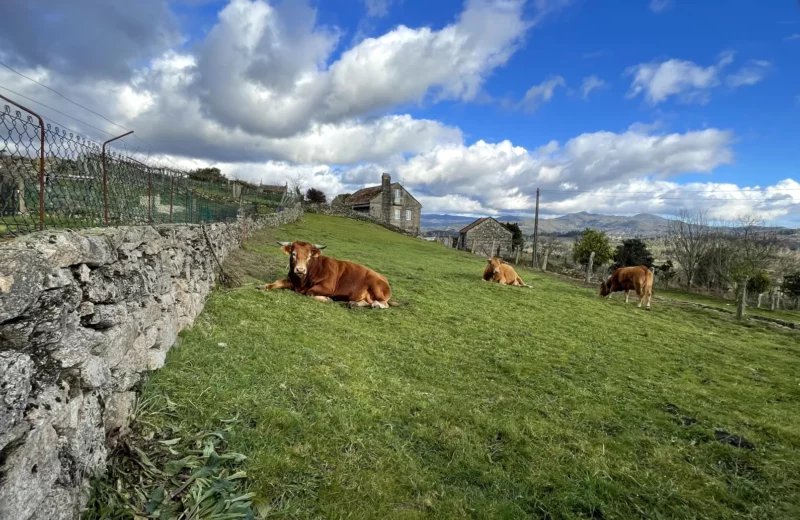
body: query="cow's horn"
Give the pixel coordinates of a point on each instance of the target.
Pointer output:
(284, 244)
(319, 246)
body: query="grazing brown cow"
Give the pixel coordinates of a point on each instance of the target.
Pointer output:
(639, 279)
(502, 273)
(328, 279)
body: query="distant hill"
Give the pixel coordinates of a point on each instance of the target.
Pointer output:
(643, 225)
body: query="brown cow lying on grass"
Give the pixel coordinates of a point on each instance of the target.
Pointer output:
(502, 273)
(327, 279)
(639, 279)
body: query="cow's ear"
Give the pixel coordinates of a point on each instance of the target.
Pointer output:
(286, 247)
(315, 252)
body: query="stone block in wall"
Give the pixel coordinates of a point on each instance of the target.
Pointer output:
(119, 407)
(16, 370)
(22, 275)
(29, 473)
(59, 504)
(66, 248)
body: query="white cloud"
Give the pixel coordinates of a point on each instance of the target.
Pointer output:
(590, 83)
(685, 79)
(795, 36)
(659, 6)
(722, 200)
(378, 8)
(504, 177)
(750, 74)
(263, 68)
(542, 93)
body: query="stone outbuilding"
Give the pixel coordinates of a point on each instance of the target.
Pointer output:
(390, 203)
(486, 237)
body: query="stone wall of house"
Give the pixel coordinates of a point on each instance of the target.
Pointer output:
(485, 235)
(401, 207)
(83, 315)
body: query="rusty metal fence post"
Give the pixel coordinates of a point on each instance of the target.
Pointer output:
(149, 195)
(41, 157)
(171, 193)
(105, 176)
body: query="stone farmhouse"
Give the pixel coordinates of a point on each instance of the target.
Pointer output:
(390, 203)
(486, 237)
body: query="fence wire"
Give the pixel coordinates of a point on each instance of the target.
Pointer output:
(53, 178)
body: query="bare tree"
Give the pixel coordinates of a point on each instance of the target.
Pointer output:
(548, 244)
(688, 239)
(784, 263)
(755, 247)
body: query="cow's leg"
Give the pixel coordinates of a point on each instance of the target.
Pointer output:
(649, 295)
(380, 305)
(279, 284)
(359, 303)
(321, 289)
(323, 299)
(626, 296)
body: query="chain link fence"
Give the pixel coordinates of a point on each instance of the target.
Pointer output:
(52, 178)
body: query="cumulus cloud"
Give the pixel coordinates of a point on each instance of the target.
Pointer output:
(750, 74)
(79, 40)
(263, 68)
(590, 83)
(541, 93)
(685, 79)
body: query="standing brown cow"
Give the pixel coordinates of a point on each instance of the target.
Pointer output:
(638, 278)
(327, 279)
(502, 273)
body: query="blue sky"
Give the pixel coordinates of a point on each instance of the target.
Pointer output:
(609, 106)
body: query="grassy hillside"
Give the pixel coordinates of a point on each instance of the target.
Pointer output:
(481, 401)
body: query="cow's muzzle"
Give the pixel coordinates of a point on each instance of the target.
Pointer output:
(300, 271)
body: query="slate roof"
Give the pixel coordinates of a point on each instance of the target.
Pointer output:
(364, 195)
(473, 224)
(477, 223)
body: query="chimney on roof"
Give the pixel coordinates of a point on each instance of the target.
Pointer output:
(386, 197)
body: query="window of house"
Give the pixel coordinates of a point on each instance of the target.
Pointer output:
(408, 214)
(397, 195)
(397, 214)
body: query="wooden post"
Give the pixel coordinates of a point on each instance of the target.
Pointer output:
(742, 302)
(759, 299)
(773, 299)
(589, 268)
(474, 242)
(519, 251)
(534, 259)
(544, 261)
(491, 252)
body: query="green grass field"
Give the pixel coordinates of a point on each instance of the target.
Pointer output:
(482, 401)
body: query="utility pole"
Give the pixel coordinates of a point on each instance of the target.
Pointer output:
(535, 259)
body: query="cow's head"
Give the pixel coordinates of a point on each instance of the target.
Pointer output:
(300, 255)
(605, 288)
(495, 263)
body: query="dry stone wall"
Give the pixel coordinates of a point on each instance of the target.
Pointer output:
(83, 315)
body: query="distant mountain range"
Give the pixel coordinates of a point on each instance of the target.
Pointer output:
(643, 225)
